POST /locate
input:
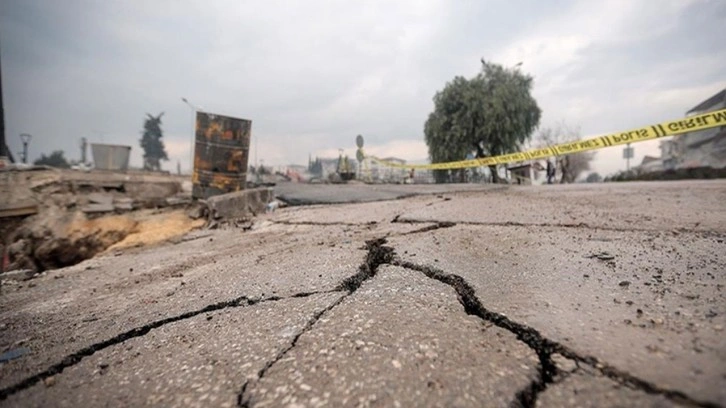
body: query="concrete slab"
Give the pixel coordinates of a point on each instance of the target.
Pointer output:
(198, 362)
(18, 208)
(691, 205)
(73, 308)
(310, 194)
(656, 311)
(580, 390)
(356, 213)
(98, 208)
(100, 198)
(357, 354)
(240, 204)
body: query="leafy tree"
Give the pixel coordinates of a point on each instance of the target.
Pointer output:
(593, 178)
(571, 165)
(152, 144)
(492, 113)
(55, 159)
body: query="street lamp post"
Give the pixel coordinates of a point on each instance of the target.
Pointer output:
(627, 162)
(25, 137)
(194, 110)
(627, 155)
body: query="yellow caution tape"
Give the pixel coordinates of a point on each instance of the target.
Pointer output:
(675, 127)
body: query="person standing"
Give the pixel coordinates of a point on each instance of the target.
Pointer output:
(550, 171)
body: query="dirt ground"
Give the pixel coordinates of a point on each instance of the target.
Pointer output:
(154, 228)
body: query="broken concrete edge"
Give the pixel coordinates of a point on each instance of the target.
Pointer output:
(19, 167)
(18, 274)
(238, 205)
(19, 209)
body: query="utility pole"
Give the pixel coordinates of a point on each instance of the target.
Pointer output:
(628, 156)
(25, 138)
(84, 147)
(4, 151)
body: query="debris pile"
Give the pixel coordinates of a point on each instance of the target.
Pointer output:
(51, 218)
(52, 240)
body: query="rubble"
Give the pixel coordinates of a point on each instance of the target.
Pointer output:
(18, 209)
(51, 218)
(55, 239)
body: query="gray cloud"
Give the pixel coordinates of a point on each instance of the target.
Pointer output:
(311, 75)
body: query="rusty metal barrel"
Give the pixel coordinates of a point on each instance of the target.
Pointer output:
(221, 153)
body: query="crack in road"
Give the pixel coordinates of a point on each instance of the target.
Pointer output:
(378, 254)
(542, 346)
(325, 224)
(438, 225)
(242, 400)
(78, 356)
(527, 397)
(435, 225)
(705, 233)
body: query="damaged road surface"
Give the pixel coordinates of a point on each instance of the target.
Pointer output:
(592, 295)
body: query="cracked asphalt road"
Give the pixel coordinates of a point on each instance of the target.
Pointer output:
(581, 295)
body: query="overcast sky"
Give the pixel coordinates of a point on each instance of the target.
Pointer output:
(313, 74)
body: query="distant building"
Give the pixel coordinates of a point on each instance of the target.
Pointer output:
(704, 148)
(650, 164)
(389, 174)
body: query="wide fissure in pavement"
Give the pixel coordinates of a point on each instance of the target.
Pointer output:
(378, 254)
(78, 356)
(543, 347)
(526, 397)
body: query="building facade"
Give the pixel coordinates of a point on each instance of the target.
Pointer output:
(704, 148)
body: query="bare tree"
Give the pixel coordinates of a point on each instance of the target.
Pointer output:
(572, 165)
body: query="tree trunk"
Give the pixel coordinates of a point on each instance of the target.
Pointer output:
(495, 174)
(564, 165)
(441, 176)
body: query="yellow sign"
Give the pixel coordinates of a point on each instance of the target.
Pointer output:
(675, 127)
